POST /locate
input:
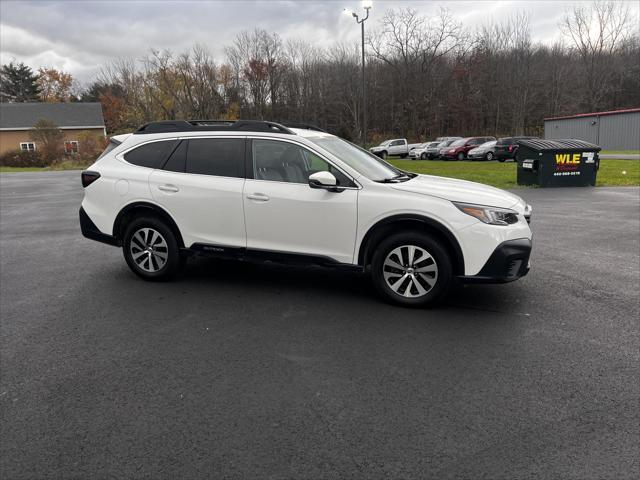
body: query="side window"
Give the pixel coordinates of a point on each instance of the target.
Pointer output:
(285, 162)
(316, 164)
(150, 155)
(221, 157)
(397, 143)
(178, 160)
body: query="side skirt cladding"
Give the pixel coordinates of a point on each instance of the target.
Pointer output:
(253, 255)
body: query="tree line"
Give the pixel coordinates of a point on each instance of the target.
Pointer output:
(425, 77)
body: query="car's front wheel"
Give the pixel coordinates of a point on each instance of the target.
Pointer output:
(384, 155)
(489, 156)
(411, 269)
(151, 249)
(423, 156)
(461, 156)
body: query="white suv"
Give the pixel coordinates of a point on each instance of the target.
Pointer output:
(256, 190)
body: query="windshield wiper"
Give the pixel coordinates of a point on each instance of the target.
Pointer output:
(401, 177)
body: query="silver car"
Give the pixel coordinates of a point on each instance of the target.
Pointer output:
(486, 151)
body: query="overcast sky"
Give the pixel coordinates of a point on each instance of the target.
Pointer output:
(79, 36)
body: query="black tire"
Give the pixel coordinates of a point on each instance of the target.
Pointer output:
(404, 155)
(439, 257)
(489, 156)
(130, 246)
(423, 156)
(501, 160)
(383, 155)
(460, 156)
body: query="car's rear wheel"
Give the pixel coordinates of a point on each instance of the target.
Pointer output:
(501, 160)
(489, 156)
(411, 269)
(151, 249)
(461, 156)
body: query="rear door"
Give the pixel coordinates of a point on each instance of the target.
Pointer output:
(200, 186)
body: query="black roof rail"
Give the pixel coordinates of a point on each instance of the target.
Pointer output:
(169, 126)
(306, 126)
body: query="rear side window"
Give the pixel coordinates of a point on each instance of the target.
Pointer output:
(222, 157)
(150, 155)
(178, 160)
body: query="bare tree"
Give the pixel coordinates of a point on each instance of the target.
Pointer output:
(597, 33)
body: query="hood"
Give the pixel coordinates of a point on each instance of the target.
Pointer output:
(461, 191)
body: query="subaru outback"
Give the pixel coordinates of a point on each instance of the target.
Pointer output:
(255, 190)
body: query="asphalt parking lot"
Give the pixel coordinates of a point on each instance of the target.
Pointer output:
(262, 371)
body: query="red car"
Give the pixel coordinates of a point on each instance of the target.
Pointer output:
(458, 149)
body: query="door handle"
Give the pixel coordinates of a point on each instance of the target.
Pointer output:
(168, 188)
(258, 197)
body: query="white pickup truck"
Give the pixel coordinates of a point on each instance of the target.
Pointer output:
(398, 146)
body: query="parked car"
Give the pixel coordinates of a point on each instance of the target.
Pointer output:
(256, 190)
(398, 146)
(422, 150)
(433, 150)
(507, 147)
(458, 149)
(446, 139)
(446, 143)
(483, 152)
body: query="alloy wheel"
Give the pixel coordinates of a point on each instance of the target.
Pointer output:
(489, 156)
(149, 250)
(410, 271)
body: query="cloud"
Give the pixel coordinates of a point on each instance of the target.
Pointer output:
(80, 36)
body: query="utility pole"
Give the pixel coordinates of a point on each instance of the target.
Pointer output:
(366, 4)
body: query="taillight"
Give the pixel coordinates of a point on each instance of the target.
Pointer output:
(89, 177)
(510, 147)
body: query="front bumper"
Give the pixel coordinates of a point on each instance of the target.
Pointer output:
(508, 262)
(503, 155)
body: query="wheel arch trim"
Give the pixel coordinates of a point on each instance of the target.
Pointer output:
(145, 205)
(378, 228)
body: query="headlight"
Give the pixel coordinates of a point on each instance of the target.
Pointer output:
(490, 215)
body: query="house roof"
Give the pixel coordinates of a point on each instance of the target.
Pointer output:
(21, 116)
(594, 114)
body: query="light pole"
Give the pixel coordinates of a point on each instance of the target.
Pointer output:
(366, 4)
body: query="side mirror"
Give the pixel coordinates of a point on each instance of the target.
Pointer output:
(324, 180)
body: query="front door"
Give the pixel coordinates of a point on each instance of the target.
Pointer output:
(284, 214)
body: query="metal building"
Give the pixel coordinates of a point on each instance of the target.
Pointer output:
(615, 130)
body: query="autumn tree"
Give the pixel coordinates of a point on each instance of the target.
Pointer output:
(111, 97)
(18, 83)
(49, 139)
(55, 85)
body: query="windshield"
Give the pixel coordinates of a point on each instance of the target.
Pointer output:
(488, 144)
(435, 144)
(386, 142)
(458, 143)
(360, 160)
